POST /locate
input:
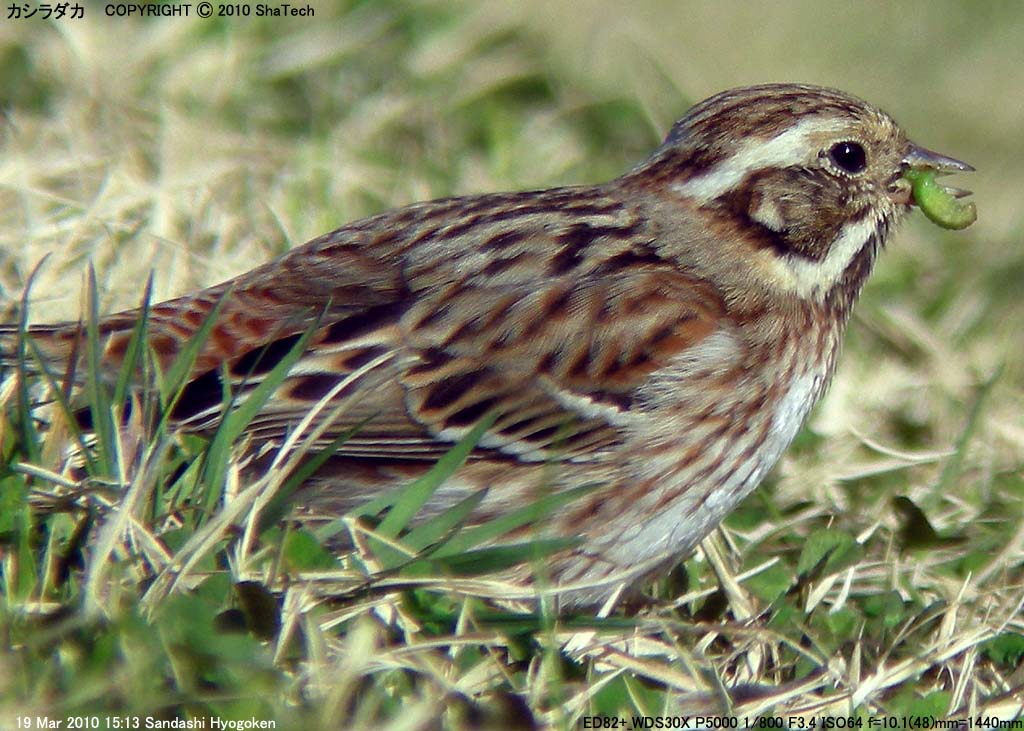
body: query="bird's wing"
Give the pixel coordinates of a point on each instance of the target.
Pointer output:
(549, 311)
(562, 364)
(556, 324)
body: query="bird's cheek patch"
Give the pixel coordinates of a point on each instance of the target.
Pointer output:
(766, 212)
(938, 204)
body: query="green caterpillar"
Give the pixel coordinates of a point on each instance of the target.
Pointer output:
(939, 206)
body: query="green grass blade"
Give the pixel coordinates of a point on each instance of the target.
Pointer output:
(494, 529)
(97, 395)
(67, 411)
(277, 508)
(237, 418)
(498, 558)
(26, 429)
(435, 530)
(20, 576)
(415, 495)
(405, 555)
(236, 421)
(134, 352)
(173, 382)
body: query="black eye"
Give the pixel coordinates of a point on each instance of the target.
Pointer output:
(849, 156)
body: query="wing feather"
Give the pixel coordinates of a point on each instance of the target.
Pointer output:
(562, 363)
(553, 309)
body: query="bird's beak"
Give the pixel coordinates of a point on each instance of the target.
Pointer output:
(921, 158)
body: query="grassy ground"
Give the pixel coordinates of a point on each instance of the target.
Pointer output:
(878, 574)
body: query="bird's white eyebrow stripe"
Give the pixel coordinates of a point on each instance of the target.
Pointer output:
(785, 149)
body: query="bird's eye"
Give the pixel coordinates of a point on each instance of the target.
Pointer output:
(849, 156)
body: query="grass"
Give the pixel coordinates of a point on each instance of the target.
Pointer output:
(878, 573)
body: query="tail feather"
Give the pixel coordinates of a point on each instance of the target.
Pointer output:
(238, 329)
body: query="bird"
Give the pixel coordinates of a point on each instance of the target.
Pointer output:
(661, 337)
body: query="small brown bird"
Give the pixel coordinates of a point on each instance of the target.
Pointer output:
(664, 334)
